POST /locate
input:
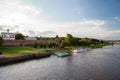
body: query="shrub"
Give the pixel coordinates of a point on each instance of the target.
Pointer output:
(35, 45)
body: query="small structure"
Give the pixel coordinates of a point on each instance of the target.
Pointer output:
(30, 38)
(7, 35)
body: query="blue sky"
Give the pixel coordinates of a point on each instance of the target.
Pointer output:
(81, 18)
(64, 10)
(75, 10)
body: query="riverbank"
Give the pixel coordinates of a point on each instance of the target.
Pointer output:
(68, 49)
(11, 60)
(19, 54)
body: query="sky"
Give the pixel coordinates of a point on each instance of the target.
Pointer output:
(82, 18)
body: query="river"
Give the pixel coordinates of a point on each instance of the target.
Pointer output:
(97, 64)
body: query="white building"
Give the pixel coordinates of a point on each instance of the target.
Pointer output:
(7, 35)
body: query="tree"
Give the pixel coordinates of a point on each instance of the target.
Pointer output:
(69, 39)
(76, 41)
(19, 36)
(1, 40)
(85, 41)
(95, 41)
(63, 43)
(35, 45)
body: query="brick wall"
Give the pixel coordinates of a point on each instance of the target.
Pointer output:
(23, 42)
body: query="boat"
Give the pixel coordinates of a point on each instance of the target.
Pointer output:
(62, 54)
(80, 50)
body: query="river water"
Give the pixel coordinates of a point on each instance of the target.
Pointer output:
(97, 64)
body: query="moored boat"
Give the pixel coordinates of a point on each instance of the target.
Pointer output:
(80, 50)
(62, 54)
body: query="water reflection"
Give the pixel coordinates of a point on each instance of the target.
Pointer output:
(98, 64)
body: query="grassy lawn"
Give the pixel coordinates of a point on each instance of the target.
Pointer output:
(64, 50)
(17, 51)
(22, 50)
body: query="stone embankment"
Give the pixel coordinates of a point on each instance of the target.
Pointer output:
(11, 60)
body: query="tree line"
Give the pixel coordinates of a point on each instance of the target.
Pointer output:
(67, 41)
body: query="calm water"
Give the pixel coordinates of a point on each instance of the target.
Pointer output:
(98, 64)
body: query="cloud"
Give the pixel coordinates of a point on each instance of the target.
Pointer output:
(5, 27)
(17, 12)
(43, 33)
(28, 20)
(116, 18)
(84, 23)
(1, 28)
(48, 33)
(83, 28)
(31, 32)
(114, 34)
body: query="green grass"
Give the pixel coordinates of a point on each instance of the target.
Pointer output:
(61, 51)
(11, 51)
(17, 51)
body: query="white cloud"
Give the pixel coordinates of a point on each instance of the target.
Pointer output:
(116, 18)
(94, 22)
(28, 17)
(113, 35)
(17, 12)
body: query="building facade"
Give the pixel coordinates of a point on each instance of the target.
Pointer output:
(7, 35)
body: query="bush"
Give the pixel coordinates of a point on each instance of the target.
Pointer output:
(0, 53)
(35, 45)
(1, 40)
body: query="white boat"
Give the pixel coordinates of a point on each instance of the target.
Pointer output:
(80, 50)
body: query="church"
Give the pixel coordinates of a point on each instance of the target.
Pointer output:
(7, 35)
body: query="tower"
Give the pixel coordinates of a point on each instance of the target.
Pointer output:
(8, 30)
(57, 40)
